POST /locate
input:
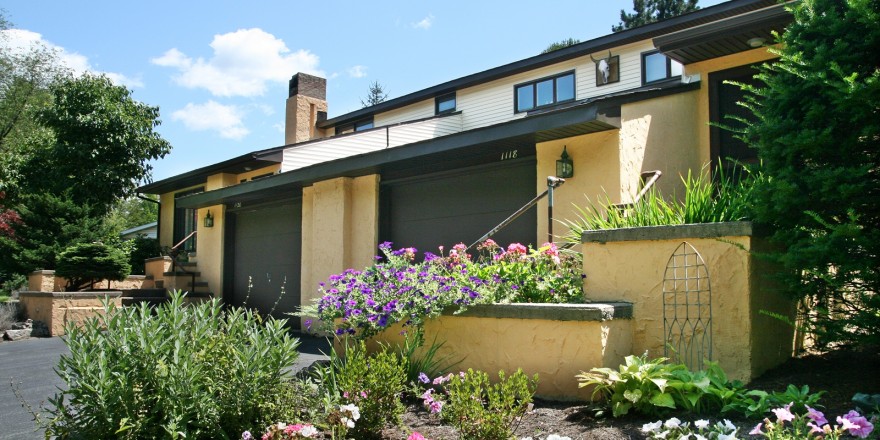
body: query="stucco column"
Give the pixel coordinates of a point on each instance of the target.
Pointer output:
(340, 229)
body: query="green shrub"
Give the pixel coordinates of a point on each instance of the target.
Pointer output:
(375, 384)
(174, 371)
(484, 411)
(85, 263)
(141, 249)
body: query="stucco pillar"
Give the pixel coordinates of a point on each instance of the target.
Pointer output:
(340, 229)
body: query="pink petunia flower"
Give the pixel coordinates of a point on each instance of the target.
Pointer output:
(757, 430)
(415, 436)
(860, 426)
(816, 416)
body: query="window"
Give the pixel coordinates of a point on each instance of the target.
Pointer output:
(657, 67)
(363, 124)
(444, 104)
(366, 124)
(544, 92)
(185, 221)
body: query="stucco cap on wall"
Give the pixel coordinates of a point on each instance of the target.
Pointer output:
(72, 295)
(703, 230)
(552, 312)
(43, 272)
(158, 258)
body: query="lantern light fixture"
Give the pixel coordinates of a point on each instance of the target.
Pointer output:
(564, 166)
(209, 220)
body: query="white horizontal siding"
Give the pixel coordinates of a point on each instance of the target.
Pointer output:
(297, 157)
(420, 110)
(301, 156)
(432, 128)
(492, 102)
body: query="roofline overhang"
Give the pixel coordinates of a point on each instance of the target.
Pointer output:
(236, 165)
(601, 114)
(697, 18)
(765, 20)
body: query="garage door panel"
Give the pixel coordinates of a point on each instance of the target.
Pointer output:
(267, 245)
(447, 209)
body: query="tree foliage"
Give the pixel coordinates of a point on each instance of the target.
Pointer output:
(817, 131)
(376, 95)
(650, 11)
(562, 44)
(48, 224)
(103, 142)
(84, 264)
(25, 76)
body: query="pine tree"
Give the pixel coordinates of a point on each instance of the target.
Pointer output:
(650, 11)
(376, 95)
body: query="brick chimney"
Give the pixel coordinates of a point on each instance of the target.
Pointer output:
(306, 106)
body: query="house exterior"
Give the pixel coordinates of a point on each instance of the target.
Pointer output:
(445, 164)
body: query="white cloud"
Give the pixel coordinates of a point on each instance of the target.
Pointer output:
(242, 63)
(425, 23)
(22, 41)
(357, 71)
(226, 120)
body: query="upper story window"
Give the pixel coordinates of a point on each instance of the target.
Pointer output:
(444, 104)
(363, 124)
(544, 92)
(657, 67)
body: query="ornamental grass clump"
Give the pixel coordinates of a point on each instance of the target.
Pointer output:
(178, 370)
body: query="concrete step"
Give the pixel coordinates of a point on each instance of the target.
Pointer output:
(181, 273)
(145, 293)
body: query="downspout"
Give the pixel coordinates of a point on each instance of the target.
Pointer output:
(158, 215)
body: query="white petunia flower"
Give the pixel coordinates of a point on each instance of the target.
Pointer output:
(651, 427)
(701, 424)
(672, 423)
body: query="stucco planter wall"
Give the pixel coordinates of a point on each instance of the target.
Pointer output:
(46, 281)
(56, 309)
(630, 265)
(556, 341)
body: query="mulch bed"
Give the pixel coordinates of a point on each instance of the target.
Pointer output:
(840, 373)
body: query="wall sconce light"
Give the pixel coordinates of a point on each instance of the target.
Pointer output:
(209, 220)
(756, 42)
(564, 166)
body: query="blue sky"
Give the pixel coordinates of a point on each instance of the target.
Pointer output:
(218, 70)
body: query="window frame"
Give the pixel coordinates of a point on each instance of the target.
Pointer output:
(534, 83)
(355, 126)
(668, 76)
(445, 98)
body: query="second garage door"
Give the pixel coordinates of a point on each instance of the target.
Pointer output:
(454, 207)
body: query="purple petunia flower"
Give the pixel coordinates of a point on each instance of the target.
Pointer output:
(423, 378)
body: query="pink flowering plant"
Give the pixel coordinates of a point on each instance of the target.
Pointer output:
(813, 424)
(525, 275)
(400, 288)
(283, 431)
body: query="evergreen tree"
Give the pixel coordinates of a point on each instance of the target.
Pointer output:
(377, 94)
(561, 45)
(650, 11)
(817, 132)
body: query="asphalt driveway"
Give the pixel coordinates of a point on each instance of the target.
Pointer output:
(27, 367)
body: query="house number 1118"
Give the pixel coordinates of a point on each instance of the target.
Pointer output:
(510, 154)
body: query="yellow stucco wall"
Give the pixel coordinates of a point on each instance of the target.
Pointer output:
(340, 229)
(744, 342)
(596, 174)
(555, 350)
(655, 134)
(166, 220)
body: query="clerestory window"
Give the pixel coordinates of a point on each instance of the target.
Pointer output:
(544, 92)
